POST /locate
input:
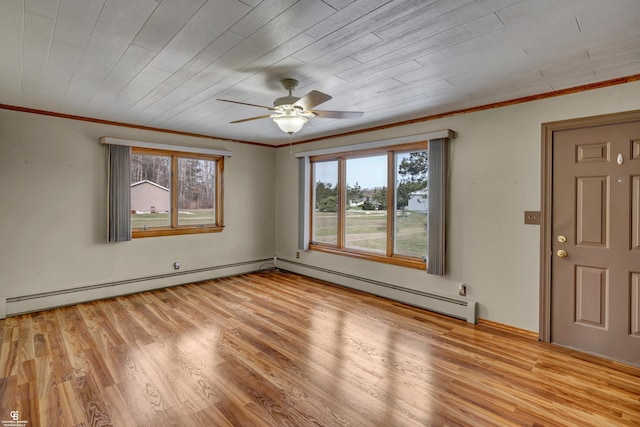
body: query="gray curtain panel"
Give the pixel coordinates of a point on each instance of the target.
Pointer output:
(438, 165)
(303, 203)
(119, 158)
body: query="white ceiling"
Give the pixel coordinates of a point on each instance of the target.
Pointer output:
(163, 63)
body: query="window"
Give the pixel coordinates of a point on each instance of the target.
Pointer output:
(175, 192)
(372, 204)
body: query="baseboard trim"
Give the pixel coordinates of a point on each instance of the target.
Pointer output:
(507, 328)
(459, 308)
(52, 299)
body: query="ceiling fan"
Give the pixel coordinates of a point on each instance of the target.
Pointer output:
(291, 113)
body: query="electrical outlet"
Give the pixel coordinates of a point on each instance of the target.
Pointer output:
(462, 290)
(176, 265)
(297, 255)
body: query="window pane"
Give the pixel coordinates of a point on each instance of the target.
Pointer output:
(196, 191)
(411, 203)
(325, 203)
(366, 213)
(150, 191)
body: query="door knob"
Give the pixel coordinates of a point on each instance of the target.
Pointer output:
(561, 239)
(562, 253)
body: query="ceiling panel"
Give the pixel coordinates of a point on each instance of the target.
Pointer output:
(44, 8)
(358, 28)
(165, 23)
(61, 63)
(12, 22)
(38, 32)
(117, 25)
(76, 20)
(164, 63)
(11, 74)
(129, 67)
(201, 30)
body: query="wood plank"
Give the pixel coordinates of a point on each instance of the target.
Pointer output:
(260, 16)
(38, 32)
(165, 22)
(63, 60)
(118, 23)
(403, 52)
(12, 23)
(358, 28)
(338, 4)
(28, 393)
(616, 72)
(276, 348)
(148, 79)
(132, 62)
(76, 20)
(10, 396)
(203, 28)
(344, 52)
(213, 51)
(354, 11)
(525, 10)
(11, 73)
(432, 18)
(45, 8)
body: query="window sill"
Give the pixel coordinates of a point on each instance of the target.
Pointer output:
(399, 260)
(165, 231)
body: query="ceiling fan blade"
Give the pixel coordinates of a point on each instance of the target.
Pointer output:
(245, 103)
(311, 99)
(323, 114)
(251, 118)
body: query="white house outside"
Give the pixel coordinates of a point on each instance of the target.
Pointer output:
(418, 201)
(147, 196)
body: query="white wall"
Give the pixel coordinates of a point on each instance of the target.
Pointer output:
(53, 209)
(495, 178)
(53, 214)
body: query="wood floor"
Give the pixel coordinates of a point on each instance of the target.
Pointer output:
(277, 349)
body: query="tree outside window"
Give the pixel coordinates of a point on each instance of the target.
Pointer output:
(175, 193)
(372, 205)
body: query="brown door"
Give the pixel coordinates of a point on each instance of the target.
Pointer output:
(595, 267)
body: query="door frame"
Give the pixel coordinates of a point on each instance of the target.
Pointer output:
(546, 194)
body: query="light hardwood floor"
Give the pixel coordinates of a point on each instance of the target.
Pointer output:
(271, 349)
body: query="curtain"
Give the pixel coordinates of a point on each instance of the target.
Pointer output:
(119, 182)
(304, 177)
(438, 162)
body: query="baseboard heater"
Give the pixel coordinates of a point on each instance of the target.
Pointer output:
(454, 307)
(58, 298)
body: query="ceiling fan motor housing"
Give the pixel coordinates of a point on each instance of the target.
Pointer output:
(285, 100)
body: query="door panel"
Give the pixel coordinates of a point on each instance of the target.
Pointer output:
(592, 222)
(591, 290)
(598, 152)
(635, 304)
(595, 278)
(635, 213)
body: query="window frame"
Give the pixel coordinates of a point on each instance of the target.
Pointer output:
(174, 229)
(389, 257)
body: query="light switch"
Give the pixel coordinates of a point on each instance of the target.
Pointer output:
(532, 217)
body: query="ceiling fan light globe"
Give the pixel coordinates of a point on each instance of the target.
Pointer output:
(290, 124)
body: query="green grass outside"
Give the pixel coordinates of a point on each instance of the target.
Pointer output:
(185, 217)
(367, 230)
